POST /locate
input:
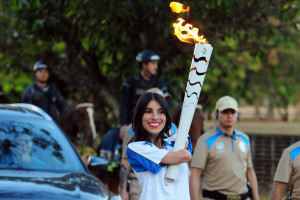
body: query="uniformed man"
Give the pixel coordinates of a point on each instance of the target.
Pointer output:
(42, 94)
(288, 174)
(224, 153)
(136, 85)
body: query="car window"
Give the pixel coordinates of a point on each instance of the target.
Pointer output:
(36, 145)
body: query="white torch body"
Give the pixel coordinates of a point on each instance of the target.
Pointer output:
(200, 61)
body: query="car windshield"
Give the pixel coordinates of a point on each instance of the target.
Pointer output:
(36, 145)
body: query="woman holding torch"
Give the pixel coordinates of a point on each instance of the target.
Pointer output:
(150, 151)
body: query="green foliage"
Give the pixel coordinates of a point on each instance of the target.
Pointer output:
(14, 83)
(91, 46)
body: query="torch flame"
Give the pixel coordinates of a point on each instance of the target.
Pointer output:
(187, 33)
(178, 7)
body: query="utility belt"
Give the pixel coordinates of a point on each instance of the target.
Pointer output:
(219, 196)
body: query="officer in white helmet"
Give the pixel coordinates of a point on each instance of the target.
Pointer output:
(134, 86)
(43, 94)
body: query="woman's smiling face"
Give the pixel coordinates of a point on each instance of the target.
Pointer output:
(154, 119)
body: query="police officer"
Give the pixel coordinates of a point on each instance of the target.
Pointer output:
(224, 153)
(136, 85)
(42, 94)
(288, 174)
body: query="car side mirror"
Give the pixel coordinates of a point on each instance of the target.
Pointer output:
(97, 164)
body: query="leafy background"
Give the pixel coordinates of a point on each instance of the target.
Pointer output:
(91, 48)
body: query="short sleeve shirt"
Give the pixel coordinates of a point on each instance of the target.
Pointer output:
(288, 169)
(129, 133)
(225, 160)
(145, 159)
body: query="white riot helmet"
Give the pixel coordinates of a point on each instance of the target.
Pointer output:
(147, 56)
(39, 65)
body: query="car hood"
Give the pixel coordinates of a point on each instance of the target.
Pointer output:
(17, 184)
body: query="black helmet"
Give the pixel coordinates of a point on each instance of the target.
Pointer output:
(39, 65)
(147, 56)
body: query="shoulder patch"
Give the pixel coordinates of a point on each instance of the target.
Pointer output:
(294, 153)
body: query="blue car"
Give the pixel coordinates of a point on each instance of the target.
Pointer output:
(37, 161)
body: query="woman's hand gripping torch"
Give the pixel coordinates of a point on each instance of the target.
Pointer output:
(200, 61)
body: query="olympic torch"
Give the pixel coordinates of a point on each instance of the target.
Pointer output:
(200, 61)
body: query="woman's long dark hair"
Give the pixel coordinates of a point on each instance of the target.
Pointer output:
(140, 133)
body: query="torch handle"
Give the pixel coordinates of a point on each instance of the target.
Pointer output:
(182, 134)
(197, 74)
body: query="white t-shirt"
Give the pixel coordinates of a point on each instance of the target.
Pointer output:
(145, 158)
